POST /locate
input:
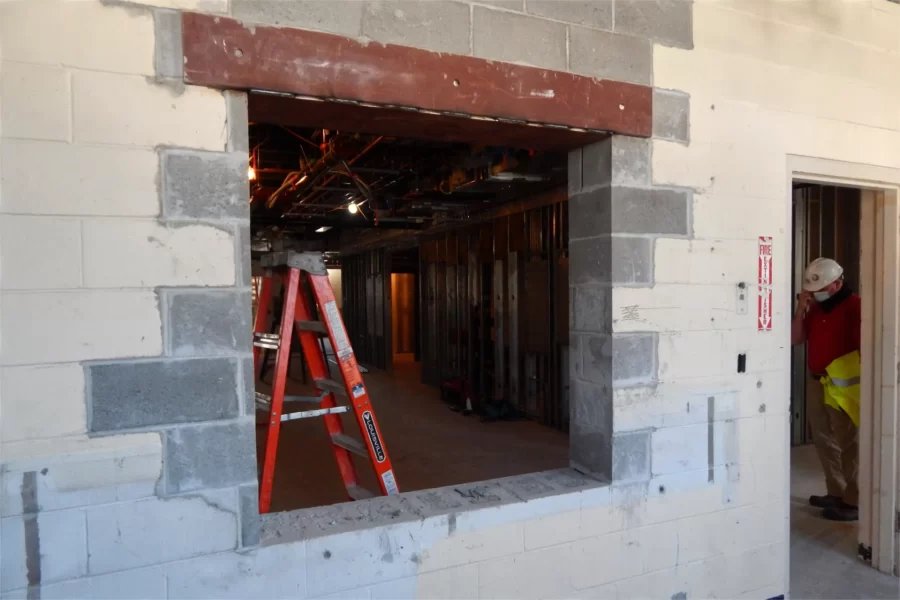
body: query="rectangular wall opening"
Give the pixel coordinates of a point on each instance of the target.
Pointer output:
(449, 258)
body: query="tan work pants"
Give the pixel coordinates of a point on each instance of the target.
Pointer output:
(837, 443)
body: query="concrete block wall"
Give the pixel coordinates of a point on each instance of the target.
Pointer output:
(126, 439)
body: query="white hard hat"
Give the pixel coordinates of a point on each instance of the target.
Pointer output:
(820, 273)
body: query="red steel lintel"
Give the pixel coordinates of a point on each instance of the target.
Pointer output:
(225, 53)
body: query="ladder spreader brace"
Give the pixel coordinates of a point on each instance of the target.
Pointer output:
(290, 267)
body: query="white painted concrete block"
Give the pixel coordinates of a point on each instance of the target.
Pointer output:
(601, 520)
(81, 34)
(553, 529)
(701, 537)
(55, 264)
(706, 261)
(721, 215)
(271, 572)
(60, 540)
(447, 584)
(136, 584)
(751, 526)
(42, 327)
(129, 110)
(474, 546)
(601, 560)
(77, 186)
(541, 573)
(358, 559)
(41, 402)
(36, 101)
(80, 471)
(147, 532)
(139, 253)
(681, 307)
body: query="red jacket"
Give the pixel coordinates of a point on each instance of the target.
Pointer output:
(832, 329)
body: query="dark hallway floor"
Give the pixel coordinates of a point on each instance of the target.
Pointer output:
(429, 445)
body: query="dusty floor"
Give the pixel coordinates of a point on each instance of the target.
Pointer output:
(429, 445)
(823, 553)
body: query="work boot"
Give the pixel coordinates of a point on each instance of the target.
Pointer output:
(841, 512)
(824, 501)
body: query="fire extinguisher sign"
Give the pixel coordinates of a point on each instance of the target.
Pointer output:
(764, 281)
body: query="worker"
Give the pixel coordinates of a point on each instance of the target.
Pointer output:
(828, 321)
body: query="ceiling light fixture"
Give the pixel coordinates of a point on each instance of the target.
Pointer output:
(251, 173)
(353, 208)
(323, 229)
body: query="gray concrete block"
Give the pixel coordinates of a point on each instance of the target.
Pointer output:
(608, 55)
(243, 266)
(214, 455)
(652, 211)
(590, 261)
(248, 496)
(630, 161)
(515, 38)
(248, 387)
(589, 214)
(631, 260)
(596, 166)
(668, 22)
(631, 456)
(671, 115)
(593, 309)
(237, 121)
(205, 185)
(128, 395)
(320, 15)
(208, 323)
(590, 451)
(591, 13)
(440, 25)
(597, 357)
(574, 171)
(634, 359)
(169, 55)
(575, 364)
(591, 405)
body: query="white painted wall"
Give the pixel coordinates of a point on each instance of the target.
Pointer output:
(80, 124)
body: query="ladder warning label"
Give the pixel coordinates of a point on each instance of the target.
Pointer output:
(390, 484)
(358, 390)
(338, 333)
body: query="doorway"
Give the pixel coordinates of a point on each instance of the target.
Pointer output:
(828, 558)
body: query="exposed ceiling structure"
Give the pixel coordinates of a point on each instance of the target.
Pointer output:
(313, 183)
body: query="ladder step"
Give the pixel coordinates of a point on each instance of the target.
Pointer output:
(349, 443)
(316, 326)
(330, 385)
(358, 492)
(265, 401)
(266, 340)
(306, 414)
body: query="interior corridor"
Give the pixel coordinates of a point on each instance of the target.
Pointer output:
(823, 553)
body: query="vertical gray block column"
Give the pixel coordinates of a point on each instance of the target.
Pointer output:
(615, 215)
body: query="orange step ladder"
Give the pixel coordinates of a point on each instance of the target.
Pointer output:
(297, 316)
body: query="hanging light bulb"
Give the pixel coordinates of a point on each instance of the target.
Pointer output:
(251, 173)
(353, 208)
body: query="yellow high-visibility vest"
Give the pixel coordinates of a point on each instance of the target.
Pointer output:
(842, 385)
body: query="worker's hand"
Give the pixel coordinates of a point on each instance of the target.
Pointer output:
(804, 301)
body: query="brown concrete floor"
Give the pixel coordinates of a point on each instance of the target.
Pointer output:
(823, 553)
(429, 445)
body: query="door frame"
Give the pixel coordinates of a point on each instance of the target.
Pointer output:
(879, 479)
